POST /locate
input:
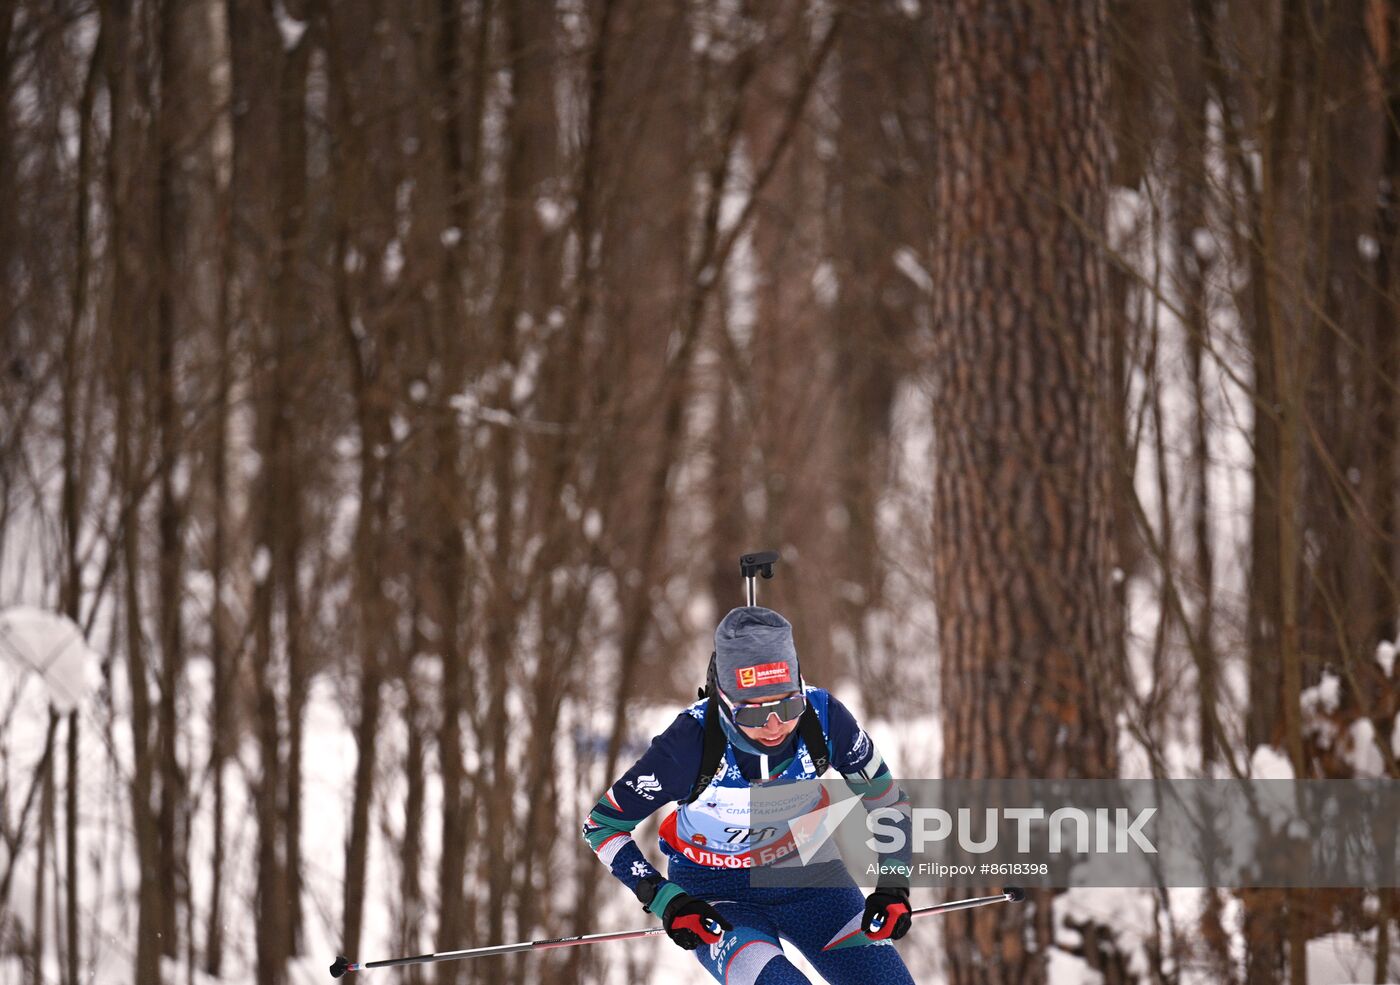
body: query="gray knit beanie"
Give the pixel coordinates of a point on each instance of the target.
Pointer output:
(754, 656)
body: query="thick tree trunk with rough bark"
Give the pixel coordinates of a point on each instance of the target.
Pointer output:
(1021, 527)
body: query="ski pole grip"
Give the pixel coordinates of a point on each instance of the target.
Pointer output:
(340, 966)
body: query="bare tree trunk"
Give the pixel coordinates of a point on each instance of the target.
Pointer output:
(272, 903)
(525, 276)
(462, 185)
(1344, 167)
(271, 878)
(1265, 600)
(1384, 450)
(41, 862)
(1283, 347)
(1193, 278)
(149, 903)
(70, 820)
(220, 656)
(874, 306)
(610, 263)
(1276, 675)
(169, 272)
(8, 205)
(1127, 104)
(1021, 537)
(240, 204)
(291, 315)
(74, 460)
(258, 69)
(1193, 268)
(1275, 679)
(371, 627)
(129, 372)
(562, 604)
(358, 119)
(370, 361)
(412, 910)
(297, 683)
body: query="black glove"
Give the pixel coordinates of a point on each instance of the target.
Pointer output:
(889, 907)
(690, 922)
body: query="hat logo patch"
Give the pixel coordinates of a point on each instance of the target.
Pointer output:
(762, 675)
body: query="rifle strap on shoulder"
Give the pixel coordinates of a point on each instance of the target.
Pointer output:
(712, 753)
(809, 726)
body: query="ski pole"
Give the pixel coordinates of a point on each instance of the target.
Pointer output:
(343, 965)
(1010, 894)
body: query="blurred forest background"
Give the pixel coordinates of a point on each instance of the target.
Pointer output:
(422, 367)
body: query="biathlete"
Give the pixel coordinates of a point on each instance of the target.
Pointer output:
(758, 724)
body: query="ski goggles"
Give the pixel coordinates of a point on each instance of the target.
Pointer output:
(755, 714)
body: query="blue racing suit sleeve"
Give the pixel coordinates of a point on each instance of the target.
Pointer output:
(855, 757)
(666, 772)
